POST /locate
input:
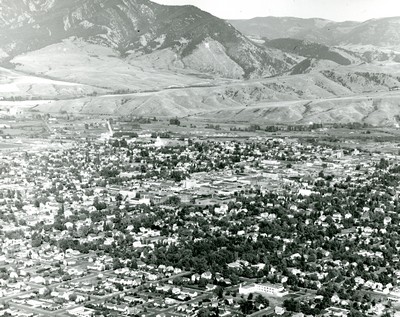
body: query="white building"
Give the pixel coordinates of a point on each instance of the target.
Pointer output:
(263, 289)
(159, 142)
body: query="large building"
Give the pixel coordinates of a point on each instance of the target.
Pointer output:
(263, 289)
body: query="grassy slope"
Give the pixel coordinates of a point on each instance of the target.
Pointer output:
(21, 85)
(97, 66)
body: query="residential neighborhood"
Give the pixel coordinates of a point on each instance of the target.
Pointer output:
(186, 226)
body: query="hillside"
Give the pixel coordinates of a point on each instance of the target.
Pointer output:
(268, 100)
(379, 110)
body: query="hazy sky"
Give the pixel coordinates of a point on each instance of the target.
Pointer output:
(337, 10)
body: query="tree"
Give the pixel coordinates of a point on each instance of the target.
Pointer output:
(72, 297)
(36, 240)
(177, 176)
(117, 264)
(219, 291)
(202, 283)
(247, 307)
(174, 121)
(83, 231)
(291, 305)
(262, 300)
(119, 199)
(46, 291)
(174, 200)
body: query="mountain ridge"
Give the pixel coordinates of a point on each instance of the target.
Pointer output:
(380, 32)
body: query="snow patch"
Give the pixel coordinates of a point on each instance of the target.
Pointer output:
(143, 40)
(182, 40)
(147, 11)
(86, 24)
(78, 15)
(160, 39)
(3, 54)
(32, 7)
(48, 5)
(67, 24)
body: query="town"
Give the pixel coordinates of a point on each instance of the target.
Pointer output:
(122, 223)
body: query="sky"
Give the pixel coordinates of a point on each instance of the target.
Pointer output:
(336, 10)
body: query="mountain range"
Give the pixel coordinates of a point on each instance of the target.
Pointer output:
(135, 26)
(138, 57)
(379, 32)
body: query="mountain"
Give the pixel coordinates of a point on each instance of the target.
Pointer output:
(314, 30)
(199, 40)
(379, 32)
(307, 49)
(15, 13)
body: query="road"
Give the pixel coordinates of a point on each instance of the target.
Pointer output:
(31, 309)
(264, 312)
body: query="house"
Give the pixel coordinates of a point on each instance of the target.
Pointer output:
(229, 300)
(210, 287)
(131, 299)
(337, 217)
(305, 192)
(176, 291)
(96, 266)
(190, 293)
(38, 280)
(195, 277)
(207, 275)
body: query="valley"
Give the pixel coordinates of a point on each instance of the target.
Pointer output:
(355, 93)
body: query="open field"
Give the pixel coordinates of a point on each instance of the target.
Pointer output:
(28, 132)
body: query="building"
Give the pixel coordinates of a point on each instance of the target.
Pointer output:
(82, 312)
(15, 111)
(337, 312)
(263, 289)
(279, 310)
